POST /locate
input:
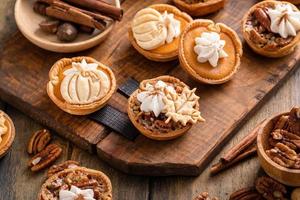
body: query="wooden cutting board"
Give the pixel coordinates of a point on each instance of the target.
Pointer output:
(24, 74)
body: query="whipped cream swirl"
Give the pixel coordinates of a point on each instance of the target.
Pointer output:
(284, 20)
(152, 97)
(209, 47)
(173, 26)
(76, 193)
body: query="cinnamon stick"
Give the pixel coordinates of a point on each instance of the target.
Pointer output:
(240, 147)
(220, 166)
(99, 6)
(66, 12)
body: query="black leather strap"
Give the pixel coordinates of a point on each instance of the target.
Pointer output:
(115, 119)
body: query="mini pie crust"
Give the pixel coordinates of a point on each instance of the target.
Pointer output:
(288, 49)
(154, 134)
(204, 72)
(201, 8)
(106, 182)
(166, 52)
(8, 137)
(55, 79)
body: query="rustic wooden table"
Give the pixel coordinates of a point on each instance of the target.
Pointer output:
(17, 182)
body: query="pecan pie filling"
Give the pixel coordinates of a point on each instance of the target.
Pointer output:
(153, 123)
(258, 25)
(78, 178)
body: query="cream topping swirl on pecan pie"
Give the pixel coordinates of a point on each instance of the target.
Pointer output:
(284, 20)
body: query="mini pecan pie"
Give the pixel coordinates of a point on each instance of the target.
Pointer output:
(199, 8)
(7, 133)
(80, 85)
(77, 183)
(271, 28)
(155, 31)
(210, 52)
(164, 108)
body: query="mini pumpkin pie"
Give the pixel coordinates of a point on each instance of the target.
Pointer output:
(7, 133)
(77, 183)
(155, 31)
(164, 108)
(271, 28)
(210, 52)
(199, 8)
(80, 85)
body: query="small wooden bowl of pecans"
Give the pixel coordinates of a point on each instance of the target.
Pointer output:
(278, 147)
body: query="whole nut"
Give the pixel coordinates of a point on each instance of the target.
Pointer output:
(246, 193)
(45, 157)
(38, 141)
(49, 26)
(270, 189)
(67, 32)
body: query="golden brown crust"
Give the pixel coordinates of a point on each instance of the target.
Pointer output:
(8, 138)
(74, 108)
(200, 9)
(106, 181)
(211, 25)
(152, 134)
(153, 55)
(283, 51)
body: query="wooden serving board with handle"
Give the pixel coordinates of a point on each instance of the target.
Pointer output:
(24, 75)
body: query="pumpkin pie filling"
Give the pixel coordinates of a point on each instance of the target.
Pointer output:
(205, 70)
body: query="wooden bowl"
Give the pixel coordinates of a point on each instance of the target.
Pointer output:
(8, 138)
(284, 175)
(28, 23)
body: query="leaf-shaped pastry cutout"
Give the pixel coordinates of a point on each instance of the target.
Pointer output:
(181, 108)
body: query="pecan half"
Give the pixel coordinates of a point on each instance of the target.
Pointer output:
(294, 121)
(38, 141)
(262, 18)
(246, 194)
(256, 37)
(205, 196)
(45, 157)
(282, 122)
(270, 189)
(60, 167)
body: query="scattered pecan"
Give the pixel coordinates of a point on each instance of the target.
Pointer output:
(205, 196)
(270, 189)
(60, 167)
(246, 194)
(45, 157)
(38, 141)
(262, 18)
(294, 121)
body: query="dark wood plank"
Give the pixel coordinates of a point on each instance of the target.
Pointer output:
(225, 107)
